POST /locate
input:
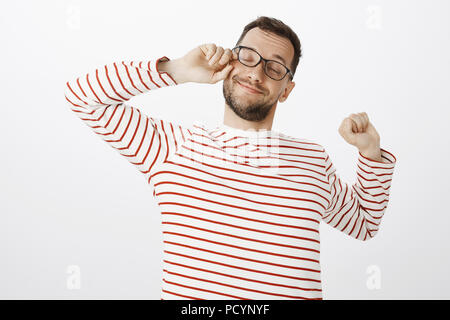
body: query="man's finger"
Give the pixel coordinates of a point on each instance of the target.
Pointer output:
(348, 130)
(208, 49)
(366, 117)
(226, 57)
(215, 58)
(222, 74)
(212, 48)
(358, 121)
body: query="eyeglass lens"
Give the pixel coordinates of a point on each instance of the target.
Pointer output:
(250, 58)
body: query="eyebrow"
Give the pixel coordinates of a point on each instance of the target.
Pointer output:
(279, 57)
(274, 56)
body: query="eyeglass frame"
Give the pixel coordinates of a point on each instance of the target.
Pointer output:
(265, 63)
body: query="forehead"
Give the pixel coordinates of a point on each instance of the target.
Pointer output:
(269, 45)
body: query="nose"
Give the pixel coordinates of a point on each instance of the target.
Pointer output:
(256, 74)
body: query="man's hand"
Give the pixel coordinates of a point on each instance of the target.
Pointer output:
(358, 131)
(206, 63)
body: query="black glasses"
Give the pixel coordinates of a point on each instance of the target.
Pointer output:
(251, 58)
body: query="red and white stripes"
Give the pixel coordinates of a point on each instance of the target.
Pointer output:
(240, 209)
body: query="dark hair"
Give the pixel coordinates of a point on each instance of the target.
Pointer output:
(277, 27)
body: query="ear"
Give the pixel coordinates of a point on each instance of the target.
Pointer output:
(287, 91)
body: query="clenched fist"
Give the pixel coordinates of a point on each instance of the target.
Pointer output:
(358, 131)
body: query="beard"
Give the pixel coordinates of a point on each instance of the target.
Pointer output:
(250, 111)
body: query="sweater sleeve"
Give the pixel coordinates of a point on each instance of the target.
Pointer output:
(357, 209)
(99, 99)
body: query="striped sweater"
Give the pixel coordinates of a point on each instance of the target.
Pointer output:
(240, 209)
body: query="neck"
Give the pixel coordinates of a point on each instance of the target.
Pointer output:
(232, 120)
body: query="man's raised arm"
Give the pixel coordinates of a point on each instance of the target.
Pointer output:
(357, 209)
(99, 99)
(116, 83)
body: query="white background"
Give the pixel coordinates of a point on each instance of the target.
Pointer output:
(68, 199)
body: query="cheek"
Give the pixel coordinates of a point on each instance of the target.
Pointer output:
(234, 71)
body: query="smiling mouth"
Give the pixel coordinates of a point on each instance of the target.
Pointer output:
(250, 90)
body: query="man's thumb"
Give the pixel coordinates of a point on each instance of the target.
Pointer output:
(221, 75)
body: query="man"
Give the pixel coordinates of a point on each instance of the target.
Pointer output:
(241, 204)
